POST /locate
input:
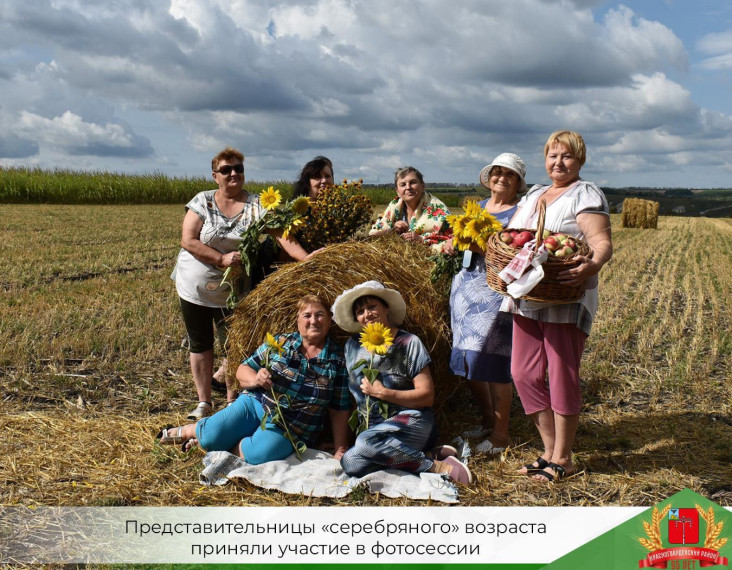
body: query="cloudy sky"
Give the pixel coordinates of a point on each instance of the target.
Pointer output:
(445, 85)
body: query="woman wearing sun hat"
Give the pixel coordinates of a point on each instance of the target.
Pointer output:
(481, 345)
(395, 417)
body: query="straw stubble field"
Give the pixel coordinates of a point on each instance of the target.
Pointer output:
(91, 365)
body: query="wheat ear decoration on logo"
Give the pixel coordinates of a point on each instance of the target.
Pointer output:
(712, 540)
(653, 530)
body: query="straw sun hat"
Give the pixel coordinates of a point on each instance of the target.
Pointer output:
(507, 160)
(343, 305)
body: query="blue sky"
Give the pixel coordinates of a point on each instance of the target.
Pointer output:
(142, 86)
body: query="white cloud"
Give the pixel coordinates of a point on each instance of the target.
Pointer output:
(69, 131)
(717, 43)
(376, 83)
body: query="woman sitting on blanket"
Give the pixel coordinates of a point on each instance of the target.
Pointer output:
(396, 423)
(309, 370)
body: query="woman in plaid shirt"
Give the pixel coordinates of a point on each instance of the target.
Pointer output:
(309, 370)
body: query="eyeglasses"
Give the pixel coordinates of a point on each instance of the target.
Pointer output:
(227, 168)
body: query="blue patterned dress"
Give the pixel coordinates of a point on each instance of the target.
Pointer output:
(481, 334)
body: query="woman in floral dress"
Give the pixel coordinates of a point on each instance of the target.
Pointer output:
(481, 346)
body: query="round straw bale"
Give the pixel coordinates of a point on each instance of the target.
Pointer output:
(398, 264)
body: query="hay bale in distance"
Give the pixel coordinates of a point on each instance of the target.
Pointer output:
(639, 213)
(398, 264)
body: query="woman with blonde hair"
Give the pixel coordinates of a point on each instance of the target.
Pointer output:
(549, 338)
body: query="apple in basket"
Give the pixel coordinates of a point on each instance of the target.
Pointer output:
(564, 251)
(560, 237)
(522, 238)
(571, 243)
(505, 237)
(552, 243)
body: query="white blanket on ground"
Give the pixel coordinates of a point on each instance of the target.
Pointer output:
(319, 475)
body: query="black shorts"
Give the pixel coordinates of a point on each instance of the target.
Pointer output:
(200, 322)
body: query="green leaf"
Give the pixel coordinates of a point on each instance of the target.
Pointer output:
(353, 421)
(371, 374)
(384, 409)
(362, 362)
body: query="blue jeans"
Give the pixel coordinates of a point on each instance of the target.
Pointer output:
(240, 424)
(397, 443)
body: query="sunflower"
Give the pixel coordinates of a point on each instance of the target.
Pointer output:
(473, 209)
(495, 225)
(462, 243)
(301, 205)
(457, 223)
(273, 344)
(292, 226)
(376, 338)
(270, 198)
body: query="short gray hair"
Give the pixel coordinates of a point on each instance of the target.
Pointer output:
(404, 170)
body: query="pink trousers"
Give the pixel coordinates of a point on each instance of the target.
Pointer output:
(539, 348)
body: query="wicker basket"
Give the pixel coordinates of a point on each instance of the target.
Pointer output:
(549, 290)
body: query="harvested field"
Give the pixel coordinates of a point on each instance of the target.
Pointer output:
(91, 365)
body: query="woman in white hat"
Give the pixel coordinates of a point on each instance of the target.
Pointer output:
(395, 417)
(481, 346)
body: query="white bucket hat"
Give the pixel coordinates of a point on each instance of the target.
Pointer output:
(507, 160)
(343, 305)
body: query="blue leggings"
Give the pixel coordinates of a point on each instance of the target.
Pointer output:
(240, 424)
(397, 443)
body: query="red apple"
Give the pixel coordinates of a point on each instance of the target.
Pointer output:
(522, 238)
(551, 243)
(513, 233)
(560, 237)
(571, 243)
(505, 237)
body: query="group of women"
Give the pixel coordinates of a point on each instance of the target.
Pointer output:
(496, 340)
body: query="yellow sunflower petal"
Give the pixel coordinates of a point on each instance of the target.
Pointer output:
(273, 344)
(457, 223)
(270, 198)
(377, 338)
(472, 209)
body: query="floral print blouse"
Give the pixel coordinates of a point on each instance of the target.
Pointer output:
(429, 220)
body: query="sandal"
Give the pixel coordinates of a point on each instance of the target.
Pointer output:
(539, 465)
(170, 436)
(559, 473)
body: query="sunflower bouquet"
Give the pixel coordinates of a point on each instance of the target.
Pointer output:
(376, 339)
(335, 215)
(473, 227)
(277, 416)
(287, 217)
